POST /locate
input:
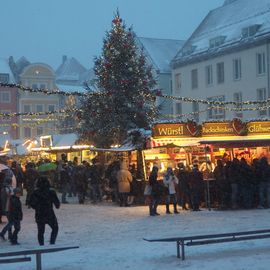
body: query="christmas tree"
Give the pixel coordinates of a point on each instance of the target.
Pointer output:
(124, 81)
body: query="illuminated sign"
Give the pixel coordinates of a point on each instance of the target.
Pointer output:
(255, 128)
(188, 129)
(217, 128)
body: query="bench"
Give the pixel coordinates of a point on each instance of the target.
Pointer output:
(211, 239)
(20, 256)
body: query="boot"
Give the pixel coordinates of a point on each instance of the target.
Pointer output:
(155, 210)
(151, 210)
(168, 209)
(175, 209)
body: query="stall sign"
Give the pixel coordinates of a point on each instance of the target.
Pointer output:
(217, 129)
(189, 129)
(261, 128)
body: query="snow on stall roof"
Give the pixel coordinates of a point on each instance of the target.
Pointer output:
(5, 68)
(229, 20)
(64, 139)
(160, 51)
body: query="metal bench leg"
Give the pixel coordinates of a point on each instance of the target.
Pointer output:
(182, 250)
(38, 261)
(178, 249)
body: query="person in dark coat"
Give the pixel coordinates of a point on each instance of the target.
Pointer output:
(81, 182)
(247, 185)
(31, 176)
(222, 184)
(196, 186)
(264, 186)
(235, 180)
(155, 193)
(42, 200)
(183, 186)
(15, 216)
(64, 182)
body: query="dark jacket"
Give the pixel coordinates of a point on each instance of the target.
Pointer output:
(153, 182)
(15, 208)
(42, 200)
(196, 180)
(183, 177)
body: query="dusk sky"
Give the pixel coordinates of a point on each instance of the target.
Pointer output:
(43, 31)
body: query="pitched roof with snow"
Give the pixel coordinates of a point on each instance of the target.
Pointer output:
(5, 68)
(227, 27)
(71, 88)
(70, 70)
(160, 52)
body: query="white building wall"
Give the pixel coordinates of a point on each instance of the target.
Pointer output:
(248, 84)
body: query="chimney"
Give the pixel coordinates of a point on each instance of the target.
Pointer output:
(64, 59)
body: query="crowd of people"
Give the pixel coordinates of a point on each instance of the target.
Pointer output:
(234, 185)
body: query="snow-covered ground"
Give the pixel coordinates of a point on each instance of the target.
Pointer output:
(110, 237)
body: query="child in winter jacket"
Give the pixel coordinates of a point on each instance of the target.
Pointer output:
(15, 216)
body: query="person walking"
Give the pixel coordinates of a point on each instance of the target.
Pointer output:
(124, 179)
(155, 192)
(15, 216)
(42, 200)
(170, 181)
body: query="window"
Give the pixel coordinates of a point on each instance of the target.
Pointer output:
(51, 108)
(209, 75)
(27, 108)
(27, 132)
(39, 131)
(178, 108)
(5, 118)
(217, 41)
(260, 59)
(195, 109)
(216, 111)
(5, 96)
(237, 97)
(237, 69)
(177, 82)
(194, 78)
(250, 30)
(39, 108)
(261, 95)
(42, 86)
(34, 86)
(4, 77)
(220, 72)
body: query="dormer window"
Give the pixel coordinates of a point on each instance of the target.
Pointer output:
(188, 50)
(217, 41)
(250, 30)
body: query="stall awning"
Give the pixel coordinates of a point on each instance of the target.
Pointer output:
(173, 142)
(122, 148)
(238, 141)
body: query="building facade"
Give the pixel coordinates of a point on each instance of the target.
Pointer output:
(38, 76)
(227, 58)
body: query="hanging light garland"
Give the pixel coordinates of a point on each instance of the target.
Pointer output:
(62, 111)
(155, 93)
